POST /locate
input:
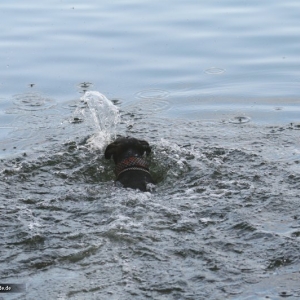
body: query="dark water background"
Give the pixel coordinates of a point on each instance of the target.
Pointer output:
(213, 86)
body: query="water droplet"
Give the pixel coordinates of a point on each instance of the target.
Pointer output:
(278, 108)
(239, 120)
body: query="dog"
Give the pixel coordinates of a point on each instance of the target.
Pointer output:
(131, 170)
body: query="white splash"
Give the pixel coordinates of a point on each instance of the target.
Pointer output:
(105, 116)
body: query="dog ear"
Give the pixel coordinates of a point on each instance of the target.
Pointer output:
(110, 150)
(146, 147)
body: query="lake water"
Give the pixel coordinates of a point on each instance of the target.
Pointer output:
(213, 87)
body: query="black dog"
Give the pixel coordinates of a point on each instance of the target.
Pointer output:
(131, 169)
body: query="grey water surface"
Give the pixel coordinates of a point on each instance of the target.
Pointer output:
(213, 87)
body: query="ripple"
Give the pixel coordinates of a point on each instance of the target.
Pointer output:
(209, 176)
(153, 100)
(22, 134)
(31, 102)
(239, 120)
(295, 126)
(214, 71)
(84, 87)
(4, 131)
(152, 94)
(278, 108)
(154, 106)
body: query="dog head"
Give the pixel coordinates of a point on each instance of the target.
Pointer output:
(124, 147)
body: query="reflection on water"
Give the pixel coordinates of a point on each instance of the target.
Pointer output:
(123, 48)
(223, 222)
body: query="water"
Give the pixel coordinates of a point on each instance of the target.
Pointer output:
(223, 222)
(213, 87)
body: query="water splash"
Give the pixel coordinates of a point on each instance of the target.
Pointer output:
(240, 120)
(105, 117)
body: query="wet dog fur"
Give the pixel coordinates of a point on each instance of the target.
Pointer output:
(131, 170)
